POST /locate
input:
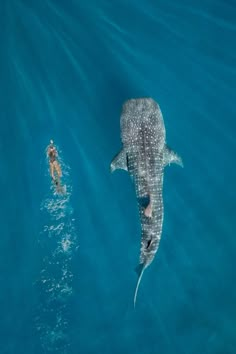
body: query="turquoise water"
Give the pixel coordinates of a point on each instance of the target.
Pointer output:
(67, 262)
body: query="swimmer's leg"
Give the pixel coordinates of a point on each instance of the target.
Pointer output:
(52, 171)
(58, 168)
(59, 188)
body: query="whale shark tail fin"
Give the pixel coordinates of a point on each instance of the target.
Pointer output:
(139, 270)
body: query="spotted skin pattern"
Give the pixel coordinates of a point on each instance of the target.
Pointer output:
(143, 137)
(144, 156)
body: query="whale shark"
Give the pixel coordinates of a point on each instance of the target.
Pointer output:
(144, 156)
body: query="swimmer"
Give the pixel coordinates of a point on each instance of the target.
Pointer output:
(54, 164)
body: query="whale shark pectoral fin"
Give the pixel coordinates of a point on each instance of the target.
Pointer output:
(119, 162)
(170, 156)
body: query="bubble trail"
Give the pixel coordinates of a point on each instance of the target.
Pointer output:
(55, 284)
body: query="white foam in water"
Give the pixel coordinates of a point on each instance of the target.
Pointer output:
(66, 244)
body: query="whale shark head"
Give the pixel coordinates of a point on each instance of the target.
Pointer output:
(139, 113)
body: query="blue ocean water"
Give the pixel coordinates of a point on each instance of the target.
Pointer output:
(67, 262)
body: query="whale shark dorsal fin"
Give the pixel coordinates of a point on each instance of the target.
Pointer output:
(119, 161)
(170, 156)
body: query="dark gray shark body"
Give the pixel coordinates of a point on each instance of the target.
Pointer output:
(144, 156)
